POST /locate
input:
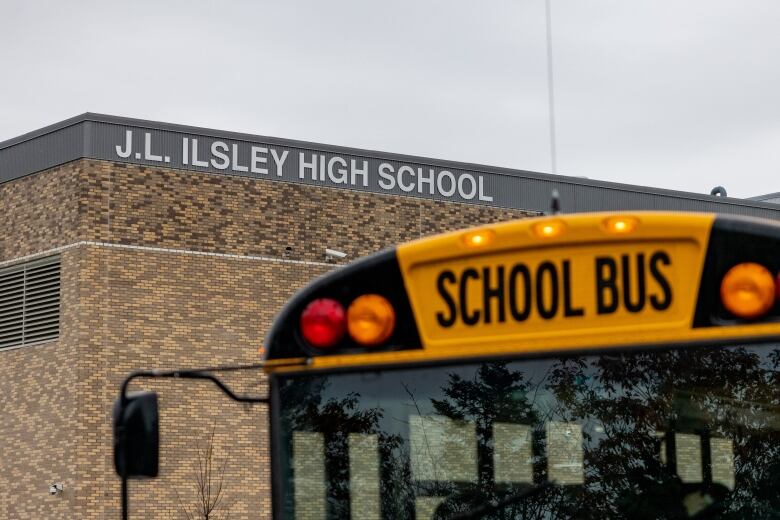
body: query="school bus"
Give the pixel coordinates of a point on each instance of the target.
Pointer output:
(580, 366)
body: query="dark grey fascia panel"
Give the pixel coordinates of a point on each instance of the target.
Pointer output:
(41, 152)
(774, 198)
(119, 139)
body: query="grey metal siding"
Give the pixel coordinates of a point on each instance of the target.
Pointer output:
(41, 152)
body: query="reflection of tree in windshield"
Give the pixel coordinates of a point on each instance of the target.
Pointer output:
(336, 418)
(495, 394)
(651, 429)
(633, 406)
(629, 406)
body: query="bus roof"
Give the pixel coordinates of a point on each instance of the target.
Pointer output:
(540, 285)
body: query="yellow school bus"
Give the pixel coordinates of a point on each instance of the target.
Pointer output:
(580, 366)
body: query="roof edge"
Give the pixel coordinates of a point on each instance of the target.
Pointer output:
(766, 196)
(28, 136)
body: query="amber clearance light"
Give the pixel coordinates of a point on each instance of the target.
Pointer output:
(549, 228)
(479, 238)
(748, 290)
(621, 225)
(370, 319)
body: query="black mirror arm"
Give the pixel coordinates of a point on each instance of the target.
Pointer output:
(197, 373)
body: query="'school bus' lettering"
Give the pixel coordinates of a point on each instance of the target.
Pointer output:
(607, 283)
(515, 292)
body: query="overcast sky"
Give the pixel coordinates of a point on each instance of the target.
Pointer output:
(677, 94)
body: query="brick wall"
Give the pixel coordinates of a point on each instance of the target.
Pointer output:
(38, 407)
(127, 308)
(40, 212)
(178, 209)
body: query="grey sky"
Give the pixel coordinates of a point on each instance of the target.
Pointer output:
(674, 94)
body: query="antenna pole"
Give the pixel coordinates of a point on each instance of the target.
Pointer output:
(551, 86)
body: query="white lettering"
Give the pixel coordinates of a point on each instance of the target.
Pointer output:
(124, 154)
(258, 159)
(219, 150)
(390, 180)
(342, 172)
(316, 167)
(303, 166)
(449, 192)
(195, 160)
(405, 187)
(363, 172)
(148, 155)
(421, 179)
(482, 196)
(237, 167)
(461, 189)
(279, 161)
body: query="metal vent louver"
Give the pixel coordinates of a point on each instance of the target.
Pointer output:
(30, 302)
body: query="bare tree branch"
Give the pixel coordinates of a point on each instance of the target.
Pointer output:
(209, 484)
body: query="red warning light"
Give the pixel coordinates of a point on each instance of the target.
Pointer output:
(323, 323)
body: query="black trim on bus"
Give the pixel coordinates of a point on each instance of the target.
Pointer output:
(277, 487)
(530, 355)
(734, 240)
(375, 274)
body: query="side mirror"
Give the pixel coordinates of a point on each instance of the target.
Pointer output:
(136, 435)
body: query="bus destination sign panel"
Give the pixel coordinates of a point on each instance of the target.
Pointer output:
(522, 293)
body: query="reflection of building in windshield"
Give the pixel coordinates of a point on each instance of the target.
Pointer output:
(564, 453)
(443, 450)
(309, 469)
(513, 453)
(689, 463)
(364, 475)
(310, 476)
(690, 454)
(722, 456)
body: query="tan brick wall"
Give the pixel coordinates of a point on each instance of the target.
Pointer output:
(38, 407)
(40, 211)
(126, 309)
(173, 310)
(179, 209)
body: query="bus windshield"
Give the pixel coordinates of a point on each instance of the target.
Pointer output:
(652, 433)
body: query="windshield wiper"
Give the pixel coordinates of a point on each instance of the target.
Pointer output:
(496, 505)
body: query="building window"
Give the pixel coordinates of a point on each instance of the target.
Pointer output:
(30, 302)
